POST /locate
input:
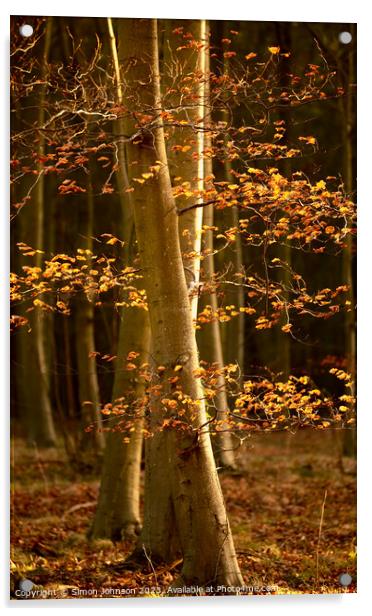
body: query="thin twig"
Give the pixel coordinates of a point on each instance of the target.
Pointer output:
(77, 507)
(151, 565)
(319, 536)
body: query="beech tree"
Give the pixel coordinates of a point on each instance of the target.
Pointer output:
(118, 510)
(190, 161)
(192, 496)
(197, 219)
(32, 350)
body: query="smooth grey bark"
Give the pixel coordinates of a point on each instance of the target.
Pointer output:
(192, 505)
(210, 338)
(188, 165)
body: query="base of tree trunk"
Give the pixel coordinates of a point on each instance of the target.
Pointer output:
(139, 560)
(126, 531)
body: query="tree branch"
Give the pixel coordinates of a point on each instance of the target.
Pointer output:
(193, 207)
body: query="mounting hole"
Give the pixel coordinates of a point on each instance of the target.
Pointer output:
(345, 38)
(26, 30)
(345, 579)
(26, 585)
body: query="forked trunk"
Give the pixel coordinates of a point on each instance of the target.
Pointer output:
(194, 503)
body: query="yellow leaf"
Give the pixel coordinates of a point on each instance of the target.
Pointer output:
(287, 327)
(309, 139)
(131, 366)
(304, 380)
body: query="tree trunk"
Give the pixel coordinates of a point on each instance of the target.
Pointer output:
(211, 333)
(121, 175)
(234, 329)
(193, 502)
(118, 510)
(283, 341)
(89, 396)
(31, 354)
(187, 164)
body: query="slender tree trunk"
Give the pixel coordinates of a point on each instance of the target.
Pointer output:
(69, 385)
(122, 182)
(192, 167)
(32, 352)
(89, 396)
(234, 329)
(188, 163)
(211, 333)
(193, 502)
(235, 336)
(283, 342)
(118, 510)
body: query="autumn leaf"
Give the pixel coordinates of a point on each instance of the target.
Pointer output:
(113, 240)
(287, 328)
(107, 189)
(309, 139)
(130, 366)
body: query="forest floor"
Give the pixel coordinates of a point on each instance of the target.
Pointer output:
(275, 508)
